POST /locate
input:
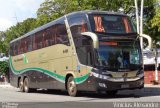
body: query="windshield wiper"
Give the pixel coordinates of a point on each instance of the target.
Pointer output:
(102, 67)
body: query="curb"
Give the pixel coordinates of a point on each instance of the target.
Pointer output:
(149, 88)
(151, 85)
(3, 85)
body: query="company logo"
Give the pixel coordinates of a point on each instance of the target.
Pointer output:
(125, 75)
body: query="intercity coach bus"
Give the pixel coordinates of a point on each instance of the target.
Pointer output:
(81, 51)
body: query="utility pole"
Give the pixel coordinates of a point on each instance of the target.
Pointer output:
(137, 15)
(139, 20)
(15, 17)
(79, 5)
(156, 66)
(156, 59)
(141, 23)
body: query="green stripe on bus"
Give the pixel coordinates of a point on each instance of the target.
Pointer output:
(60, 78)
(82, 78)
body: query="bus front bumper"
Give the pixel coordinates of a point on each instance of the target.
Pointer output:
(109, 85)
(117, 84)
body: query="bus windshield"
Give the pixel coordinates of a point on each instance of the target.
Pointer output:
(119, 56)
(114, 24)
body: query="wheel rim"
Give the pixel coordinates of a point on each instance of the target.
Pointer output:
(72, 86)
(21, 85)
(25, 86)
(72, 90)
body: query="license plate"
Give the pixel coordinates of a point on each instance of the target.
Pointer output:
(125, 86)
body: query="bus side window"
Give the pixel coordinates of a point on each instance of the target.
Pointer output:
(29, 45)
(16, 47)
(38, 40)
(64, 35)
(52, 40)
(12, 49)
(78, 24)
(61, 34)
(20, 46)
(43, 39)
(49, 40)
(25, 47)
(34, 42)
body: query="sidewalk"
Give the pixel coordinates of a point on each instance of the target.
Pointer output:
(151, 85)
(5, 85)
(151, 88)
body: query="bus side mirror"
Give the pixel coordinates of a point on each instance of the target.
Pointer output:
(149, 39)
(94, 37)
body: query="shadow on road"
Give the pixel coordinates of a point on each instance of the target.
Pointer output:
(145, 92)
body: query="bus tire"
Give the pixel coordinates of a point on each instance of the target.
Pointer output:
(21, 86)
(26, 85)
(71, 86)
(112, 93)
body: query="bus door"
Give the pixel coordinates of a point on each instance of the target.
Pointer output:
(84, 51)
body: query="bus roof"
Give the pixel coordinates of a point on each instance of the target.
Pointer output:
(97, 12)
(73, 13)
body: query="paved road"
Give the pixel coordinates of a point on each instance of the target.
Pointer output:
(11, 94)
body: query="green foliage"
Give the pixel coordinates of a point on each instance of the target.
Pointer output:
(16, 31)
(155, 22)
(53, 9)
(152, 23)
(4, 67)
(2, 38)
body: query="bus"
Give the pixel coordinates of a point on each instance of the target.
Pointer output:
(96, 51)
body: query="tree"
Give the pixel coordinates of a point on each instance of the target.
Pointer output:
(62, 7)
(155, 22)
(2, 38)
(151, 17)
(53, 9)
(16, 31)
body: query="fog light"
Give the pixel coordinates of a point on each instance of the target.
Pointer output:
(102, 85)
(141, 82)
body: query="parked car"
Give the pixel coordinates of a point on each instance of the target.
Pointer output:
(149, 57)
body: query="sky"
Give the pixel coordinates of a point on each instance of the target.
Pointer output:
(13, 11)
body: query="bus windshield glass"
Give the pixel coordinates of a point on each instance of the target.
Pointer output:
(119, 56)
(114, 24)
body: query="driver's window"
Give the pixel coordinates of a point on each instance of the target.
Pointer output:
(82, 55)
(78, 24)
(84, 48)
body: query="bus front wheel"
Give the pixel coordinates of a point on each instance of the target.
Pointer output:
(71, 86)
(26, 85)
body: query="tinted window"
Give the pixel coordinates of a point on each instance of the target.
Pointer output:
(49, 38)
(38, 40)
(16, 48)
(78, 24)
(61, 33)
(11, 49)
(29, 44)
(111, 24)
(56, 34)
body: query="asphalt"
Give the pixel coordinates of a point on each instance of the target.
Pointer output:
(154, 88)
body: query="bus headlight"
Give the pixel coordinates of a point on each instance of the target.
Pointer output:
(105, 77)
(103, 85)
